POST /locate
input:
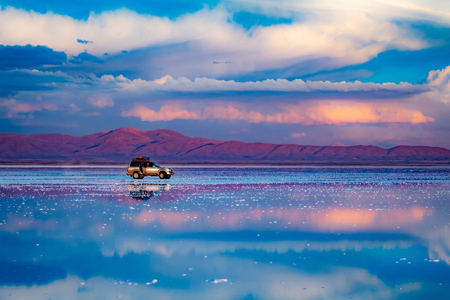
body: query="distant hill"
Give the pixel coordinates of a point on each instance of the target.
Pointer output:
(167, 146)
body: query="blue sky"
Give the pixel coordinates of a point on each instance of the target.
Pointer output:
(303, 72)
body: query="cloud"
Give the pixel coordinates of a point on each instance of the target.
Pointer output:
(340, 219)
(348, 112)
(100, 101)
(166, 113)
(84, 41)
(229, 112)
(439, 82)
(110, 31)
(17, 109)
(333, 113)
(253, 281)
(255, 110)
(85, 57)
(298, 134)
(183, 84)
(28, 56)
(161, 80)
(435, 11)
(438, 244)
(341, 37)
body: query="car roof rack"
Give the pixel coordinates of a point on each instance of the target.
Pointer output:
(142, 158)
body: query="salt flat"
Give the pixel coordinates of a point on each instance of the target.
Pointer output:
(225, 233)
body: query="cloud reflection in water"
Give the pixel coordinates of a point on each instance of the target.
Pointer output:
(269, 241)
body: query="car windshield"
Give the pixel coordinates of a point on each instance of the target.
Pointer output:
(155, 164)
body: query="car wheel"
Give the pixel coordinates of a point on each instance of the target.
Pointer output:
(136, 175)
(162, 175)
(168, 176)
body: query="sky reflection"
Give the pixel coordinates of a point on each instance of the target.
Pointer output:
(226, 238)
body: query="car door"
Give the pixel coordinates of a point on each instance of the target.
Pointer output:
(145, 168)
(151, 170)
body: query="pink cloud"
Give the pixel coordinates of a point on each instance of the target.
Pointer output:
(16, 109)
(333, 218)
(339, 113)
(166, 113)
(333, 113)
(353, 112)
(230, 112)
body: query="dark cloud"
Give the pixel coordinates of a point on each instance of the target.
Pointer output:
(84, 41)
(85, 57)
(14, 81)
(28, 57)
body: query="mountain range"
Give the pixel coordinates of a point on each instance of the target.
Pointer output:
(168, 146)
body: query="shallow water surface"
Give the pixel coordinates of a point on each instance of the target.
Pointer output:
(225, 233)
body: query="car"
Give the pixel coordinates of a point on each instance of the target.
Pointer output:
(143, 166)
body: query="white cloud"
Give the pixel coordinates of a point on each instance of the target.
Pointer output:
(110, 31)
(244, 277)
(436, 11)
(344, 37)
(183, 84)
(439, 82)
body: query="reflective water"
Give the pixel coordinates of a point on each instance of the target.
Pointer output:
(225, 233)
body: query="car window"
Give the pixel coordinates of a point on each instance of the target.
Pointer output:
(134, 164)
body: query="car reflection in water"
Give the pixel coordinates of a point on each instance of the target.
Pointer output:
(144, 191)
